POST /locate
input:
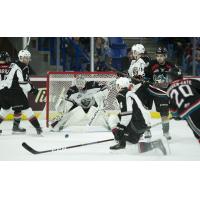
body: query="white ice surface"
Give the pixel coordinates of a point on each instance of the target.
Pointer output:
(183, 145)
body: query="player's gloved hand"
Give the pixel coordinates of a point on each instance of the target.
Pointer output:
(176, 118)
(118, 133)
(34, 90)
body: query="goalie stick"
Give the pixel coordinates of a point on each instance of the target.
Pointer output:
(33, 151)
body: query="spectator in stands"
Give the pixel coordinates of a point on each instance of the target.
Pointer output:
(99, 54)
(126, 61)
(197, 64)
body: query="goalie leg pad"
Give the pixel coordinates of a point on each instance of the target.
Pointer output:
(70, 118)
(113, 120)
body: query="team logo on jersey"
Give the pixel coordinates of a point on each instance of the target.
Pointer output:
(159, 78)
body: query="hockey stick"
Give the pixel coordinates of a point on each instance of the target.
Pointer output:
(33, 151)
(27, 44)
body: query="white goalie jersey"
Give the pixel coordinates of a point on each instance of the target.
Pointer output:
(92, 94)
(79, 106)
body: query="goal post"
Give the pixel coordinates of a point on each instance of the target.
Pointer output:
(58, 84)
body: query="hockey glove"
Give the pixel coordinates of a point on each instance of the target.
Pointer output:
(34, 90)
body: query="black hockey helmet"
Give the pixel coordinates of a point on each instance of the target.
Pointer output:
(174, 74)
(4, 56)
(161, 50)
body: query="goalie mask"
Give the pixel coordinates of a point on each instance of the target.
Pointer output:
(80, 83)
(24, 56)
(122, 82)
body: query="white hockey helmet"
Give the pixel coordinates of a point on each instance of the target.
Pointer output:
(24, 54)
(80, 82)
(122, 82)
(138, 48)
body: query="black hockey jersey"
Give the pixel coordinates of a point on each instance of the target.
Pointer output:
(18, 77)
(157, 74)
(128, 101)
(184, 97)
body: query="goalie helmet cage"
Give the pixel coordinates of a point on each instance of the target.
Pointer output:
(59, 82)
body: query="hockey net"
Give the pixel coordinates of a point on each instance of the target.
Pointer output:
(58, 84)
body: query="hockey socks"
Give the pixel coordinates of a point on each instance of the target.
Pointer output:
(16, 122)
(35, 123)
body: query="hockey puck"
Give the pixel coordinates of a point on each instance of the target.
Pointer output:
(66, 135)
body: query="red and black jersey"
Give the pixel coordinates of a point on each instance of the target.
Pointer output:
(157, 74)
(184, 97)
(4, 71)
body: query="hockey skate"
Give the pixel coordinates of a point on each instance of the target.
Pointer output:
(18, 130)
(159, 144)
(39, 131)
(147, 146)
(120, 145)
(167, 136)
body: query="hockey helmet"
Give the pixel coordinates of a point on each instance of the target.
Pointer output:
(122, 82)
(139, 48)
(161, 50)
(80, 82)
(24, 54)
(4, 56)
(174, 74)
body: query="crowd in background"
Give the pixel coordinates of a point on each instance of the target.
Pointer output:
(110, 53)
(78, 54)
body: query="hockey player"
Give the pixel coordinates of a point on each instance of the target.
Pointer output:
(136, 73)
(184, 95)
(156, 72)
(18, 84)
(131, 127)
(4, 101)
(84, 98)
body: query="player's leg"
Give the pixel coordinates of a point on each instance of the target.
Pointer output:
(119, 135)
(32, 119)
(17, 119)
(162, 107)
(145, 146)
(133, 134)
(21, 102)
(194, 123)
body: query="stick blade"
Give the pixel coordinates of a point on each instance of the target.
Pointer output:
(30, 149)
